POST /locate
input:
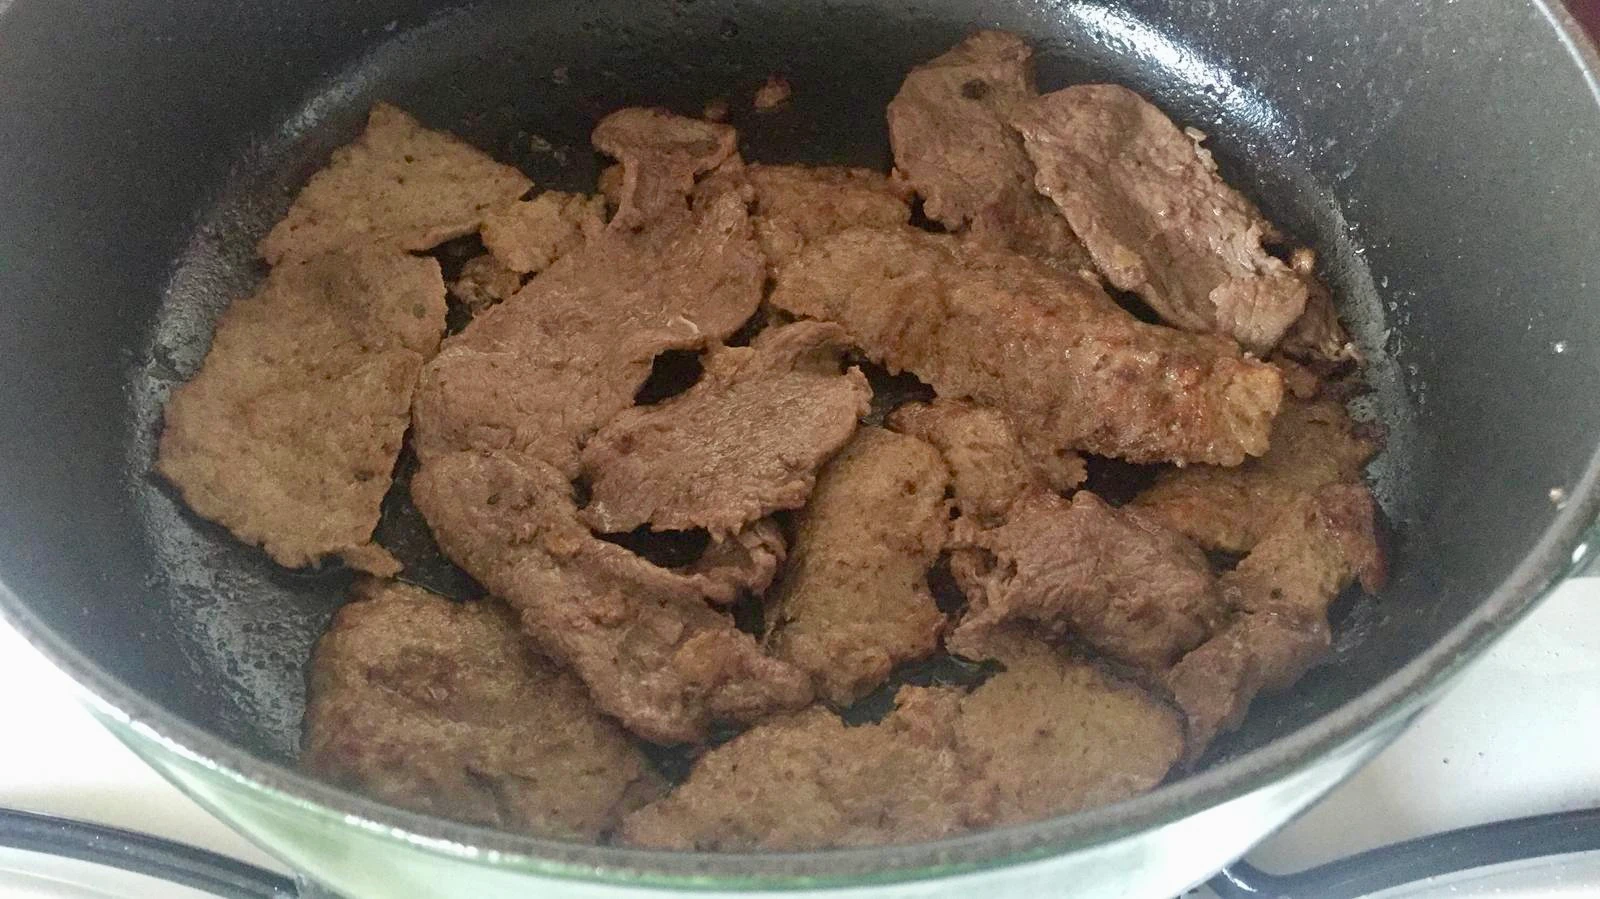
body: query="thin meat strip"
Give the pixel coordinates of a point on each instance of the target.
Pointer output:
(954, 143)
(854, 600)
(397, 185)
(440, 707)
(1279, 597)
(988, 467)
(641, 637)
(792, 205)
(289, 433)
(541, 372)
(745, 441)
(661, 154)
(1068, 367)
(1147, 201)
(1127, 586)
(1314, 444)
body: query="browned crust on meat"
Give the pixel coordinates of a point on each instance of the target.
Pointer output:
(438, 707)
(1053, 734)
(289, 432)
(1049, 735)
(399, 185)
(809, 781)
(1314, 444)
(1068, 367)
(854, 600)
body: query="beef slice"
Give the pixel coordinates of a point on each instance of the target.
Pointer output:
(1068, 367)
(1125, 585)
(1054, 733)
(743, 442)
(854, 600)
(397, 185)
(1147, 201)
(988, 466)
(954, 143)
(441, 708)
(1314, 444)
(792, 205)
(528, 236)
(288, 434)
(541, 372)
(643, 639)
(661, 154)
(1279, 597)
(809, 781)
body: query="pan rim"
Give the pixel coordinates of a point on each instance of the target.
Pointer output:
(1569, 542)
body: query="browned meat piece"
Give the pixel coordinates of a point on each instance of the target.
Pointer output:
(773, 93)
(1068, 366)
(953, 141)
(1049, 735)
(1313, 444)
(1280, 595)
(439, 706)
(288, 434)
(745, 441)
(661, 154)
(483, 282)
(1129, 587)
(539, 373)
(747, 560)
(854, 600)
(609, 185)
(530, 235)
(1317, 338)
(1147, 201)
(642, 638)
(715, 110)
(794, 204)
(810, 782)
(988, 467)
(1052, 734)
(399, 185)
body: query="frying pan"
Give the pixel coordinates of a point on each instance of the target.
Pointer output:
(1443, 158)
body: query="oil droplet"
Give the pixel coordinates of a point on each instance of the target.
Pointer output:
(1558, 497)
(1558, 347)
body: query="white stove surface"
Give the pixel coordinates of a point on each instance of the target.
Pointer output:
(1518, 735)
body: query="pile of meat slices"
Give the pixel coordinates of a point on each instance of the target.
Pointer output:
(1118, 650)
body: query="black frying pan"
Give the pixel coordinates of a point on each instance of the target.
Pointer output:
(1443, 157)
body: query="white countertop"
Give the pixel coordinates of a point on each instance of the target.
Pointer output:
(1518, 735)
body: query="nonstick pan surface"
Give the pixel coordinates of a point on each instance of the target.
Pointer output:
(1438, 157)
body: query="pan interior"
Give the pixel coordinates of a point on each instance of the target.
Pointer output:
(528, 86)
(1437, 158)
